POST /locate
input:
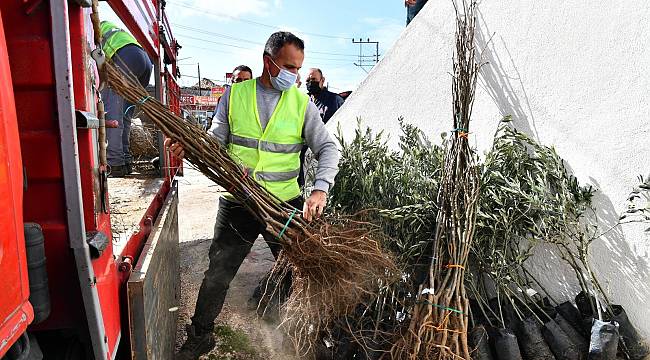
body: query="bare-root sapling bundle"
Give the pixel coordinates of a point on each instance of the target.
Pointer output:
(314, 268)
(334, 263)
(439, 323)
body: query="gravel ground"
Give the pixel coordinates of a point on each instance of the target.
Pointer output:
(198, 200)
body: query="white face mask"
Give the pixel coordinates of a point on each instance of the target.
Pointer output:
(284, 80)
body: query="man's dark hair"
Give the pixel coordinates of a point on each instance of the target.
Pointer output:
(243, 68)
(279, 39)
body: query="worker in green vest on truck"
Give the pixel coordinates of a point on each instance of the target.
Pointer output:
(121, 47)
(264, 123)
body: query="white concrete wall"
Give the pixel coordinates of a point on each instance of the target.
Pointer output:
(572, 73)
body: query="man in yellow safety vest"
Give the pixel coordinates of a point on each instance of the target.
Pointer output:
(264, 123)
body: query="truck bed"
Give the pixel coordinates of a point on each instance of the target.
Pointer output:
(129, 199)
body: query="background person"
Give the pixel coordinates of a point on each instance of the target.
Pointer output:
(239, 74)
(125, 52)
(413, 7)
(326, 101)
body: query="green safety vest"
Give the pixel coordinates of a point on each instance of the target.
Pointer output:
(114, 38)
(272, 155)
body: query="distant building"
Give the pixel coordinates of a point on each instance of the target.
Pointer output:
(200, 101)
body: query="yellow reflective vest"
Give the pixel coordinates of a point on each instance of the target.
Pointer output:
(272, 155)
(114, 38)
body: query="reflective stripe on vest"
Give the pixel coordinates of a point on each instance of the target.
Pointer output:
(108, 35)
(273, 153)
(277, 176)
(272, 176)
(265, 145)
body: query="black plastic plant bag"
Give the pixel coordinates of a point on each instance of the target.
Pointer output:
(586, 304)
(509, 315)
(505, 345)
(531, 341)
(559, 342)
(573, 333)
(633, 344)
(571, 314)
(479, 342)
(547, 309)
(322, 352)
(480, 317)
(604, 340)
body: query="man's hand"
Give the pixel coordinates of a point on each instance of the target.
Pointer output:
(175, 148)
(314, 205)
(409, 2)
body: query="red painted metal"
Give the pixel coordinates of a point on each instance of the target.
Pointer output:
(85, 83)
(29, 46)
(175, 166)
(173, 94)
(171, 45)
(30, 5)
(136, 242)
(141, 18)
(15, 311)
(174, 103)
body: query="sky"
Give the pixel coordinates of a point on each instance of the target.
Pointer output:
(221, 34)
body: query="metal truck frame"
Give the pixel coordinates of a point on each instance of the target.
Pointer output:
(50, 175)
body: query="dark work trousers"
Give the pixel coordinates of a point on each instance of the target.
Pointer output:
(412, 11)
(235, 231)
(301, 176)
(134, 62)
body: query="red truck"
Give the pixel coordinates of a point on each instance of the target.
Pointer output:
(69, 288)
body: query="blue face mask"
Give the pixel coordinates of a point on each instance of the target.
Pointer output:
(284, 80)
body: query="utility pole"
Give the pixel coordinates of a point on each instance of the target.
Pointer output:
(198, 67)
(364, 62)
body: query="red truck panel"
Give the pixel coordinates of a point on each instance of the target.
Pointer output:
(30, 49)
(15, 310)
(30, 56)
(28, 27)
(140, 17)
(84, 78)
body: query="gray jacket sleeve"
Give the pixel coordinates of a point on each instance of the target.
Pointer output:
(220, 126)
(322, 144)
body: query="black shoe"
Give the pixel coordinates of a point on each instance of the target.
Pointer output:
(195, 345)
(129, 168)
(118, 171)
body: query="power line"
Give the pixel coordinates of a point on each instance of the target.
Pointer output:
(203, 31)
(224, 36)
(363, 63)
(213, 42)
(203, 11)
(247, 48)
(233, 53)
